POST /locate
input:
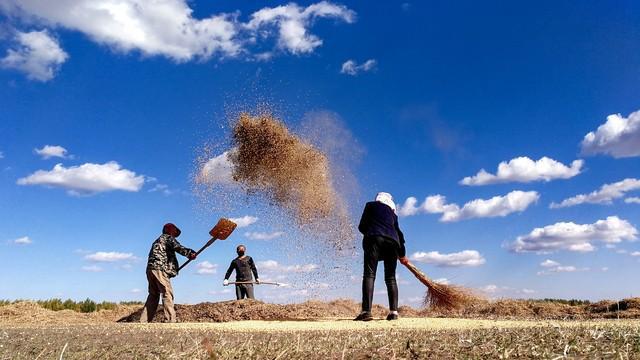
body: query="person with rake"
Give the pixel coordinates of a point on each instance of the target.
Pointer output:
(244, 267)
(161, 267)
(383, 241)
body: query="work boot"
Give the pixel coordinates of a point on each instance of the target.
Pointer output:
(393, 315)
(364, 316)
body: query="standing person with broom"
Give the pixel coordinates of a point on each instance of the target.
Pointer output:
(383, 241)
(161, 267)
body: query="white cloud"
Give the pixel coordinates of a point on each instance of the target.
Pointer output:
(217, 170)
(263, 236)
(87, 178)
(92, 268)
(293, 21)
(459, 259)
(635, 253)
(352, 68)
(206, 268)
(604, 269)
(39, 55)
(606, 194)
(632, 200)
(168, 28)
(443, 281)
(528, 291)
(110, 256)
(555, 267)
(272, 265)
(244, 221)
(549, 263)
(618, 137)
(1, 155)
(575, 237)
(135, 291)
(49, 151)
(552, 267)
(497, 206)
(25, 240)
(523, 169)
(161, 188)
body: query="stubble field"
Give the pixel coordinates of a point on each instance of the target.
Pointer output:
(256, 330)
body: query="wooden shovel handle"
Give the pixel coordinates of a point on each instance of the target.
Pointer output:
(211, 241)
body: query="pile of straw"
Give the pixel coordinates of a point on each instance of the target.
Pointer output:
(443, 296)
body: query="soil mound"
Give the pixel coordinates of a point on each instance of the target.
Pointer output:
(258, 310)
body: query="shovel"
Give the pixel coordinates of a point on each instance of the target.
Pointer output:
(221, 231)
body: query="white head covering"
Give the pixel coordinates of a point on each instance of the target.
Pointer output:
(387, 199)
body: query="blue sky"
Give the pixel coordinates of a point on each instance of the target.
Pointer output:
(432, 92)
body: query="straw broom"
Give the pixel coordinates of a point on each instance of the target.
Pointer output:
(442, 296)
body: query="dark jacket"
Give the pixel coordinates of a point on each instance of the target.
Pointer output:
(379, 219)
(162, 255)
(244, 267)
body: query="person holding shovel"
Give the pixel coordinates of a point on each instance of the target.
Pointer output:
(244, 267)
(383, 241)
(161, 267)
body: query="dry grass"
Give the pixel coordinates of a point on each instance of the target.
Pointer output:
(153, 341)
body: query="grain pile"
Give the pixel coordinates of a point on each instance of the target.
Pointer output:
(31, 312)
(291, 173)
(258, 310)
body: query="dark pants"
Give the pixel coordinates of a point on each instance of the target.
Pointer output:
(244, 291)
(379, 248)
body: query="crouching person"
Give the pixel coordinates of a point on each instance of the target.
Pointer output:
(161, 267)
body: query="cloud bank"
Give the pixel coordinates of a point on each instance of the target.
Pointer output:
(606, 194)
(524, 170)
(168, 28)
(618, 137)
(37, 54)
(574, 237)
(87, 179)
(497, 206)
(464, 258)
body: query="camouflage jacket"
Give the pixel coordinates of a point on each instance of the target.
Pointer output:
(162, 255)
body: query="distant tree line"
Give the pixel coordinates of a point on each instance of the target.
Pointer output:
(85, 306)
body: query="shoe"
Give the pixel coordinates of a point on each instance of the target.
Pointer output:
(364, 316)
(392, 316)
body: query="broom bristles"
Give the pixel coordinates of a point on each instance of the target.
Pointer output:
(442, 296)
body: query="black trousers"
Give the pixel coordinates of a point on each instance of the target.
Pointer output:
(379, 248)
(244, 291)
